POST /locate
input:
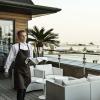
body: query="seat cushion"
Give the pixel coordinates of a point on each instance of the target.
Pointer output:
(37, 80)
(56, 77)
(40, 80)
(46, 67)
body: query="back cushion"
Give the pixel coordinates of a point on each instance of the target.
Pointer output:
(46, 67)
(76, 81)
(93, 78)
(60, 79)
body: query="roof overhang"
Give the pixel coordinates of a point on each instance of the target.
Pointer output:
(29, 9)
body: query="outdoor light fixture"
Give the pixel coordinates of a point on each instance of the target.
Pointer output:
(59, 57)
(84, 62)
(9, 41)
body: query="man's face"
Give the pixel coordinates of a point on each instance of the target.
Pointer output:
(22, 37)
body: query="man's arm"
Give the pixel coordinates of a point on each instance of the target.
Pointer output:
(10, 58)
(31, 50)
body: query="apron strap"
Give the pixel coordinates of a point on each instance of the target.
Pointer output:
(19, 46)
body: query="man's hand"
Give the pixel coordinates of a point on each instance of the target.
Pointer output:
(27, 61)
(6, 74)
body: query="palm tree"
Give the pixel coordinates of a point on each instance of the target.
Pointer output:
(41, 38)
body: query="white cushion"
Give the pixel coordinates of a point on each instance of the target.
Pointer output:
(57, 71)
(40, 80)
(37, 80)
(93, 78)
(76, 81)
(71, 78)
(42, 58)
(56, 77)
(46, 67)
(50, 76)
(60, 79)
(91, 75)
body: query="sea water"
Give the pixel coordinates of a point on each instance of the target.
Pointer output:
(79, 57)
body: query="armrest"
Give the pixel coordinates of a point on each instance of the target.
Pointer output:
(57, 71)
(72, 78)
(55, 91)
(39, 73)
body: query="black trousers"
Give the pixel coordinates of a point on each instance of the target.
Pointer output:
(21, 94)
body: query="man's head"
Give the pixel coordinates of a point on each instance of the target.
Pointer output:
(22, 36)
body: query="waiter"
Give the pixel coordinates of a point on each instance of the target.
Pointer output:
(19, 53)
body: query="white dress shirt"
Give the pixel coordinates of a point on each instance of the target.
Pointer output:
(13, 53)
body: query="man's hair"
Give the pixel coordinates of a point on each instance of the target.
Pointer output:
(20, 31)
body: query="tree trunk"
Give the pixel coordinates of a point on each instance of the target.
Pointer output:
(38, 51)
(42, 51)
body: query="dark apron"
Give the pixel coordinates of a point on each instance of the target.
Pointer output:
(22, 76)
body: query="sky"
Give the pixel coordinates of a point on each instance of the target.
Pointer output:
(77, 22)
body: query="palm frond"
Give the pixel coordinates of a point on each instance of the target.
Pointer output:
(32, 33)
(35, 28)
(47, 33)
(29, 39)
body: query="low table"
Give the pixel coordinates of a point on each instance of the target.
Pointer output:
(43, 97)
(51, 79)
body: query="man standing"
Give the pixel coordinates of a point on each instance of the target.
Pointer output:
(19, 53)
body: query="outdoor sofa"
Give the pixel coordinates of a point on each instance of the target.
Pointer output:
(77, 89)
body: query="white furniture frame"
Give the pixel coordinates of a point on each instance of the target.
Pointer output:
(77, 91)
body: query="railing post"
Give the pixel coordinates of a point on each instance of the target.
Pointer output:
(59, 57)
(84, 62)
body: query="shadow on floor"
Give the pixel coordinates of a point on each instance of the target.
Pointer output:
(7, 93)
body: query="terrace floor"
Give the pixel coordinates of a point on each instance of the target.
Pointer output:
(7, 93)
